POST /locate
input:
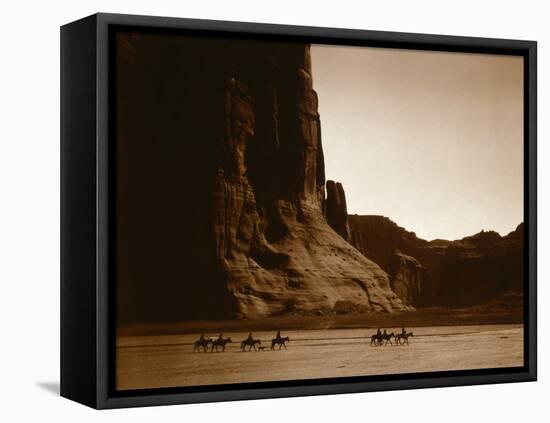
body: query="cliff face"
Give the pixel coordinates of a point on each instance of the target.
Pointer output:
(480, 267)
(378, 237)
(234, 223)
(277, 252)
(408, 278)
(458, 273)
(397, 251)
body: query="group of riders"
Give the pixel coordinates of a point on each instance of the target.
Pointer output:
(378, 339)
(385, 338)
(250, 342)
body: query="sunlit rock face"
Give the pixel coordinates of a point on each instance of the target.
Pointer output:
(277, 252)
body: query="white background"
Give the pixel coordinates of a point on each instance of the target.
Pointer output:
(29, 209)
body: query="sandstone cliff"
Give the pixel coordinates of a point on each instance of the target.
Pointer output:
(221, 194)
(277, 252)
(408, 278)
(481, 267)
(457, 273)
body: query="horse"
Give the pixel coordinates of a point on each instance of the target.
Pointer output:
(403, 338)
(381, 339)
(376, 339)
(204, 343)
(219, 342)
(387, 337)
(281, 341)
(251, 343)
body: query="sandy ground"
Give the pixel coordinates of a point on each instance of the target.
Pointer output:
(169, 361)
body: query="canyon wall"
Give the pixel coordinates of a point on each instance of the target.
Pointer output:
(408, 278)
(459, 273)
(277, 252)
(220, 193)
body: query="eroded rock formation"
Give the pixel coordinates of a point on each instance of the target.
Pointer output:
(459, 273)
(277, 251)
(408, 278)
(478, 268)
(221, 199)
(336, 209)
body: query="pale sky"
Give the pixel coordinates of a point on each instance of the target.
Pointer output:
(432, 140)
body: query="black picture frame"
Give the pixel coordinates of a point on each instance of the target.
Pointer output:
(87, 330)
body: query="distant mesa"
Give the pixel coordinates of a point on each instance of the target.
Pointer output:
(441, 273)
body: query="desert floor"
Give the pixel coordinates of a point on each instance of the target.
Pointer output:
(169, 361)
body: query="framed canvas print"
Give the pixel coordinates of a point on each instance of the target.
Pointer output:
(255, 211)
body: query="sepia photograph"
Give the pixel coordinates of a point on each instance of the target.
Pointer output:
(292, 211)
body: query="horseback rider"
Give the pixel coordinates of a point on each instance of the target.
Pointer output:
(378, 333)
(279, 340)
(403, 331)
(202, 337)
(249, 337)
